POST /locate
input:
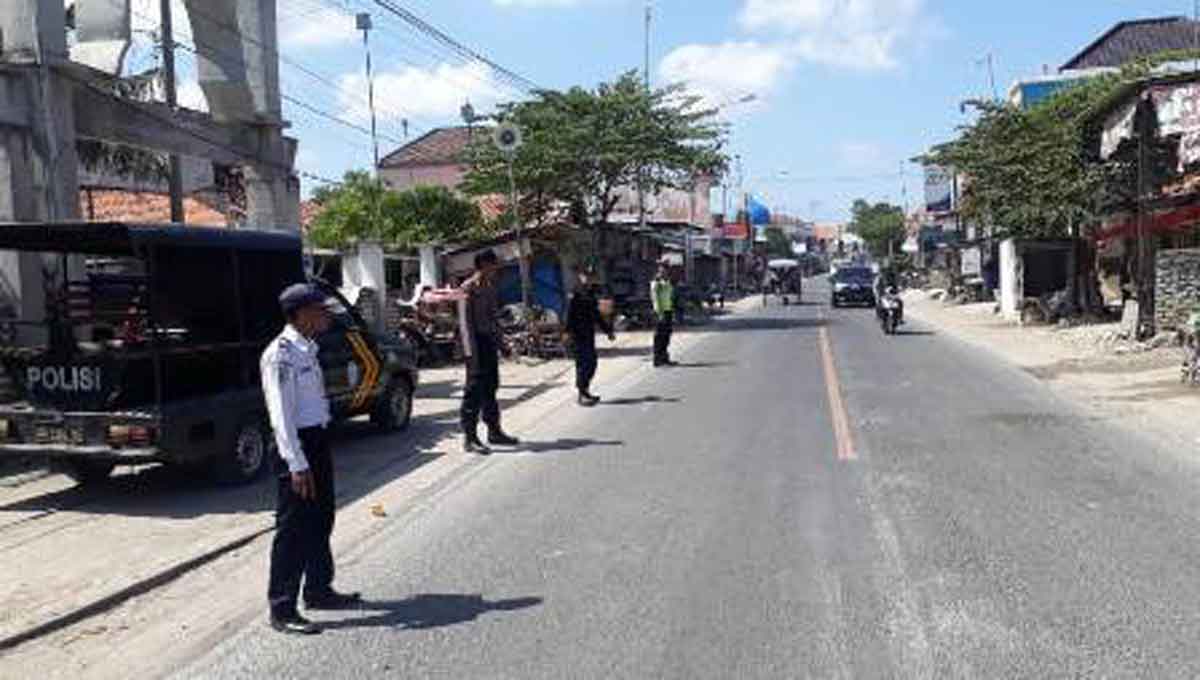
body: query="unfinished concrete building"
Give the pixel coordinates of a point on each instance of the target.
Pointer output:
(52, 94)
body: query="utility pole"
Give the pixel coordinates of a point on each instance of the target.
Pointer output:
(175, 173)
(364, 24)
(646, 83)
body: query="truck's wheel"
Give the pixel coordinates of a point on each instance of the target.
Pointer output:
(393, 411)
(87, 472)
(247, 455)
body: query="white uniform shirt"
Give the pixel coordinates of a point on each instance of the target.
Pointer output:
(295, 391)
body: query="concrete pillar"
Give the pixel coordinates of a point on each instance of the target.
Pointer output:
(238, 69)
(431, 274)
(104, 34)
(32, 31)
(364, 268)
(39, 167)
(1011, 285)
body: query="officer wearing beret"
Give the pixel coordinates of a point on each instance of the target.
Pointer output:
(299, 411)
(478, 310)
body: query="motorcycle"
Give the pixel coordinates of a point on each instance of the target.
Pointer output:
(888, 311)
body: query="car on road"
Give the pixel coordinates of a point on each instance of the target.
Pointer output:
(147, 349)
(852, 286)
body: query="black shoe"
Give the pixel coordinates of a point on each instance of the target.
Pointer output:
(586, 399)
(592, 398)
(499, 438)
(473, 445)
(332, 600)
(294, 624)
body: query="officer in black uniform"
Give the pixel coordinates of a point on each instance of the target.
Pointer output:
(294, 388)
(583, 318)
(478, 313)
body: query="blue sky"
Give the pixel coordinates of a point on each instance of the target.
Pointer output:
(848, 89)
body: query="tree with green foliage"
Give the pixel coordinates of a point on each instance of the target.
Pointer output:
(879, 225)
(362, 207)
(1033, 172)
(778, 244)
(583, 147)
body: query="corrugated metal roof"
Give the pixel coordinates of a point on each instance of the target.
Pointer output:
(1130, 40)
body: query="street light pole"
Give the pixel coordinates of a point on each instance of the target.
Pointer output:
(641, 190)
(364, 24)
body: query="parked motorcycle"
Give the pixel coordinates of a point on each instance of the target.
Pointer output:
(888, 311)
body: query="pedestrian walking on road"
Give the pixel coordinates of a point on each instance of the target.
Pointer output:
(478, 311)
(662, 296)
(294, 387)
(583, 318)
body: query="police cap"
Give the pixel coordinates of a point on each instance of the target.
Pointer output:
(300, 295)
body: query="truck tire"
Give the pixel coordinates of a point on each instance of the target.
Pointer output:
(87, 472)
(393, 411)
(247, 455)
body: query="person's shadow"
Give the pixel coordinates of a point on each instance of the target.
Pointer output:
(640, 401)
(421, 612)
(563, 445)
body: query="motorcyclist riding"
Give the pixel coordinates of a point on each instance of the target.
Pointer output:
(886, 285)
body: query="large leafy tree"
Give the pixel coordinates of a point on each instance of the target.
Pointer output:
(583, 147)
(363, 207)
(880, 225)
(1034, 173)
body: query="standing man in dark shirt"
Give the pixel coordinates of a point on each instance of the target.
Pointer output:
(583, 318)
(477, 315)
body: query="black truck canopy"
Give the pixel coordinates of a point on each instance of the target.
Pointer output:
(119, 238)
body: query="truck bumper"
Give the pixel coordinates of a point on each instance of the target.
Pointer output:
(26, 433)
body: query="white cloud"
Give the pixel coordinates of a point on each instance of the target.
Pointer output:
(434, 93)
(859, 34)
(325, 27)
(722, 73)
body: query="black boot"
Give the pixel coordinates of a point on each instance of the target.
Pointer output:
(472, 443)
(498, 437)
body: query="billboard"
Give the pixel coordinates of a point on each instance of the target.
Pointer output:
(939, 189)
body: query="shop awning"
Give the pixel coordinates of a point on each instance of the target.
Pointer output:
(1160, 222)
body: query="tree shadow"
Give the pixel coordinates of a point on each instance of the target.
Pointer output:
(434, 610)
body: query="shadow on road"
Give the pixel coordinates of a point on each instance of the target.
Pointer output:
(915, 333)
(640, 400)
(430, 611)
(560, 446)
(624, 351)
(704, 364)
(750, 324)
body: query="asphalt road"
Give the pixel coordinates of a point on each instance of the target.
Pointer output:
(708, 521)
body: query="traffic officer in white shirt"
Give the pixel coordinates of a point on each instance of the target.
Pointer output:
(299, 411)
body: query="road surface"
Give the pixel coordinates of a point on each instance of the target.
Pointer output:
(804, 498)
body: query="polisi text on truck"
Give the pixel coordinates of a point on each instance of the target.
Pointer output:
(65, 378)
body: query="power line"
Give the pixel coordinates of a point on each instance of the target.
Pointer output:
(466, 52)
(195, 48)
(439, 56)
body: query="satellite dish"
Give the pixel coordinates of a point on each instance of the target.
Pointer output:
(507, 137)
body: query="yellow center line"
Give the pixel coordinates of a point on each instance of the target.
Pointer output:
(837, 407)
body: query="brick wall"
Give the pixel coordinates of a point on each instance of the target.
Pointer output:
(1177, 287)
